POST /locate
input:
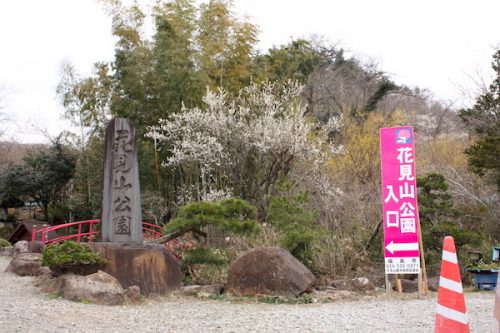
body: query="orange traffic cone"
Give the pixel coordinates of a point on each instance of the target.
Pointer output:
(451, 314)
(496, 309)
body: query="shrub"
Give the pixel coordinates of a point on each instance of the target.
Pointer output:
(297, 224)
(205, 266)
(203, 256)
(5, 232)
(4, 242)
(300, 243)
(484, 264)
(289, 212)
(58, 214)
(72, 257)
(231, 215)
(210, 220)
(433, 240)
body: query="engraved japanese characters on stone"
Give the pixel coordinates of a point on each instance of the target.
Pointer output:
(121, 208)
(121, 163)
(122, 141)
(122, 184)
(122, 204)
(122, 225)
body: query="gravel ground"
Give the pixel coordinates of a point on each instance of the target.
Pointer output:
(24, 309)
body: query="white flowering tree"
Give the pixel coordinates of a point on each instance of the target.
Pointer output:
(242, 146)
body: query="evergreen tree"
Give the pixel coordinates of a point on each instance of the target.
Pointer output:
(435, 202)
(294, 61)
(41, 177)
(484, 118)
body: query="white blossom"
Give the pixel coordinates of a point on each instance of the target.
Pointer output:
(259, 125)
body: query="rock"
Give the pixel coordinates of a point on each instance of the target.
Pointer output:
(191, 290)
(21, 247)
(133, 294)
(322, 281)
(25, 264)
(43, 272)
(333, 295)
(356, 284)
(269, 271)
(210, 290)
(213, 289)
(323, 288)
(362, 284)
(100, 288)
(36, 247)
(7, 251)
(341, 284)
(150, 267)
(378, 279)
(44, 277)
(408, 286)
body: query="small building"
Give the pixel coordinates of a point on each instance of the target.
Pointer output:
(24, 230)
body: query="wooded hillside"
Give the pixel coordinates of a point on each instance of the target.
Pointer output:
(293, 131)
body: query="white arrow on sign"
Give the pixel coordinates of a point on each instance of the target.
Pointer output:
(391, 247)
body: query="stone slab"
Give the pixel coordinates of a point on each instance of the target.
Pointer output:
(150, 267)
(121, 219)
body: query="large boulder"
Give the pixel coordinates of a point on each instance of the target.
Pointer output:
(21, 247)
(25, 264)
(100, 288)
(150, 267)
(269, 271)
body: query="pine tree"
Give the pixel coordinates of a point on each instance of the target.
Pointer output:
(484, 118)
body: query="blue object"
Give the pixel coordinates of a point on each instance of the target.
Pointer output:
(496, 253)
(485, 279)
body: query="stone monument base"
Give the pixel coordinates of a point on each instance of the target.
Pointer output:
(150, 267)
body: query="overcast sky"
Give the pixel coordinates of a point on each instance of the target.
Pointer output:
(433, 44)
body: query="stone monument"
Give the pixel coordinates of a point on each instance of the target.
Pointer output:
(121, 219)
(150, 267)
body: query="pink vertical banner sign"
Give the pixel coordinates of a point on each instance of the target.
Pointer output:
(399, 200)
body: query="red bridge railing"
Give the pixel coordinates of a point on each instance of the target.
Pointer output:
(151, 231)
(85, 231)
